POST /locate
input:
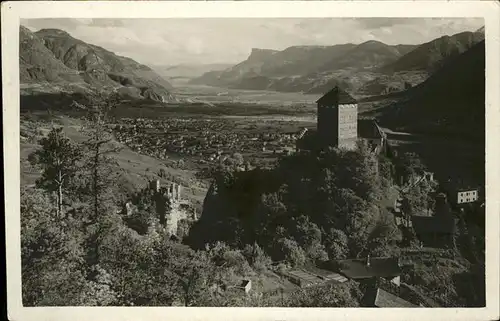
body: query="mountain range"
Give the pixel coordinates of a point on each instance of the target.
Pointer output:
(369, 68)
(52, 60)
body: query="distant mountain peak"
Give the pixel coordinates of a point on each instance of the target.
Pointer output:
(263, 51)
(372, 42)
(259, 50)
(54, 56)
(53, 31)
(374, 45)
(307, 47)
(258, 53)
(431, 55)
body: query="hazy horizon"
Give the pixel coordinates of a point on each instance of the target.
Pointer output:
(200, 41)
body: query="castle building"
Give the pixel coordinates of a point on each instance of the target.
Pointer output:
(469, 195)
(337, 120)
(369, 130)
(167, 200)
(338, 126)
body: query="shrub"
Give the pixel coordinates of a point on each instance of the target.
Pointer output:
(338, 295)
(291, 251)
(256, 257)
(223, 255)
(336, 241)
(140, 221)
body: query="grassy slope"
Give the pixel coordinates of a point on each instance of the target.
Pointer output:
(135, 168)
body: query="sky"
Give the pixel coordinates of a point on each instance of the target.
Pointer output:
(174, 41)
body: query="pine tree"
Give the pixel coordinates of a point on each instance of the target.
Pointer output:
(101, 176)
(58, 158)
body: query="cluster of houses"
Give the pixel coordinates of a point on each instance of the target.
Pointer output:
(438, 228)
(203, 140)
(379, 277)
(210, 140)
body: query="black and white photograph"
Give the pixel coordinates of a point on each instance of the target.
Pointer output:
(279, 162)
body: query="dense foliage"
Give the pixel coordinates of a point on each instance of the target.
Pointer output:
(310, 207)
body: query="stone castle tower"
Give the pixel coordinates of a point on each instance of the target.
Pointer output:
(167, 200)
(337, 123)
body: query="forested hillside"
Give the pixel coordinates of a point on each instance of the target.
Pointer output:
(451, 102)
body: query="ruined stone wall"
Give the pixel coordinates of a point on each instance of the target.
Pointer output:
(175, 215)
(171, 195)
(167, 203)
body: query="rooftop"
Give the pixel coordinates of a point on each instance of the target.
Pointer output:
(313, 275)
(305, 276)
(460, 185)
(336, 96)
(384, 299)
(368, 128)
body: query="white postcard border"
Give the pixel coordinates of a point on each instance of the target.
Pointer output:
(13, 11)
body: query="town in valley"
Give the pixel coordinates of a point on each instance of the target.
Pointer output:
(308, 173)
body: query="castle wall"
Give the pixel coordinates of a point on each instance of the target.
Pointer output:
(327, 124)
(167, 201)
(348, 126)
(173, 218)
(338, 125)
